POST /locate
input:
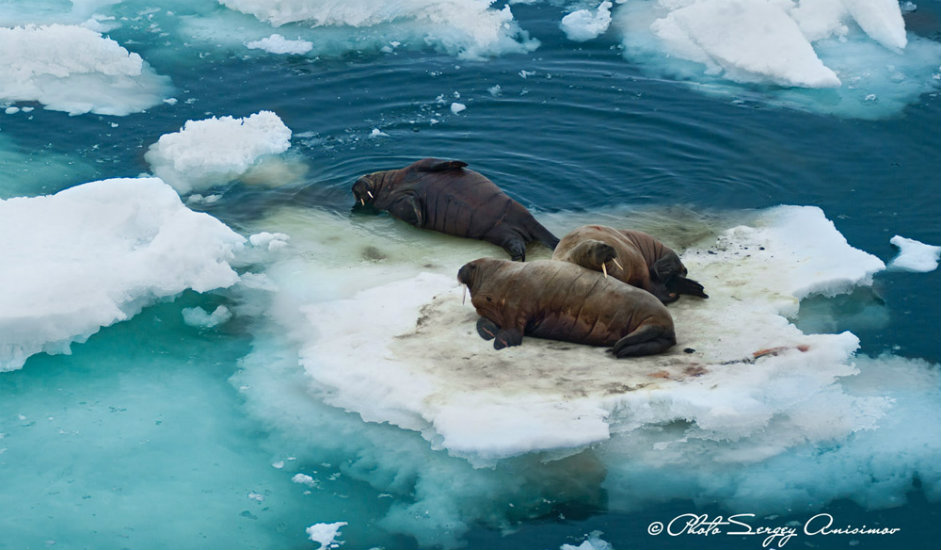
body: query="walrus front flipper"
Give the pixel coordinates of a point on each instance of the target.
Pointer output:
(507, 337)
(408, 209)
(646, 340)
(682, 285)
(516, 248)
(487, 329)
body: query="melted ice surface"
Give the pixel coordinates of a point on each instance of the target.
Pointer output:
(96, 254)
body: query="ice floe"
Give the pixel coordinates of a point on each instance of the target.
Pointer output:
(467, 28)
(77, 70)
(860, 50)
(215, 151)
(382, 332)
(96, 254)
(914, 255)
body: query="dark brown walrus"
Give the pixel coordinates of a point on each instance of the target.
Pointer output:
(564, 301)
(444, 196)
(631, 256)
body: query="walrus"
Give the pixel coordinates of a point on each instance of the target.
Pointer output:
(564, 301)
(631, 256)
(444, 196)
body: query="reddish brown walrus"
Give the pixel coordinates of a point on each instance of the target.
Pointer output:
(564, 301)
(443, 196)
(631, 256)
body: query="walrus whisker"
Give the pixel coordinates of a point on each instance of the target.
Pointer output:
(604, 270)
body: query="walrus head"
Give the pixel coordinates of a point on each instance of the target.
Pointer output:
(367, 187)
(595, 255)
(671, 272)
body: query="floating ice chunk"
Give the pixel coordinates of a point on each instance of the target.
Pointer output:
(914, 255)
(584, 24)
(215, 151)
(199, 317)
(74, 69)
(376, 132)
(269, 241)
(593, 542)
(326, 533)
(280, 45)
(746, 41)
(96, 254)
(304, 479)
(470, 29)
(457, 107)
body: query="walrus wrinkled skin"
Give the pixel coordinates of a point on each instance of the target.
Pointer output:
(564, 301)
(631, 256)
(444, 196)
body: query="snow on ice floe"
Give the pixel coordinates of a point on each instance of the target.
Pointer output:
(859, 50)
(914, 255)
(77, 70)
(96, 254)
(215, 151)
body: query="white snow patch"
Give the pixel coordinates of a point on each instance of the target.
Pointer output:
(215, 151)
(75, 69)
(96, 254)
(914, 255)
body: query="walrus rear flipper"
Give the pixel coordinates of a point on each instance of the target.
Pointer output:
(682, 285)
(646, 340)
(543, 235)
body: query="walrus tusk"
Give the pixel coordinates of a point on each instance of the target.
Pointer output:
(604, 270)
(464, 297)
(370, 194)
(615, 260)
(362, 202)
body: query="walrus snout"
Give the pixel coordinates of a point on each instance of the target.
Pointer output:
(364, 190)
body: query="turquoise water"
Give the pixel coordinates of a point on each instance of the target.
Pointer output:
(158, 434)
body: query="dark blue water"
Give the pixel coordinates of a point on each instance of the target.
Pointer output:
(572, 127)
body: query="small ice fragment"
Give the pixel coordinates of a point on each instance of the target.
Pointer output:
(457, 107)
(376, 132)
(199, 317)
(304, 479)
(325, 533)
(914, 255)
(257, 497)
